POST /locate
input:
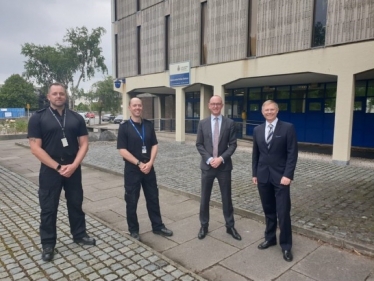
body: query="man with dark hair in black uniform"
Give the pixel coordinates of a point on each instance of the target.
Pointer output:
(137, 144)
(58, 137)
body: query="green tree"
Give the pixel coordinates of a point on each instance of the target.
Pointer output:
(81, 56)
(47, 64)
(86, 51)
(104, 98)
(82, 107)
(17, 93)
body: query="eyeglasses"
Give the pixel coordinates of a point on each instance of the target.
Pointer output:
(215, 104)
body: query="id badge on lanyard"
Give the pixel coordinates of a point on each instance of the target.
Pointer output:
(64, 140)
(142, 136)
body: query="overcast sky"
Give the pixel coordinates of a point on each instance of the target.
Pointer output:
(44, 22)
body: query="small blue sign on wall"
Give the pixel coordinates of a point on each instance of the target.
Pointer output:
(179, 74)
(118, 83)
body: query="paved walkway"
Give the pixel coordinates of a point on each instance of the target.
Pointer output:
(217, 257)
(329, 202)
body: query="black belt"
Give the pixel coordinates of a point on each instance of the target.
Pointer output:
(63, 158)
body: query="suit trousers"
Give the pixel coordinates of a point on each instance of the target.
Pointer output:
(224, 181)
(50, 186)
(276, 202)
(134, 179)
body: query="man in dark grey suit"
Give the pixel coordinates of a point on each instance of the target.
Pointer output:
(216, 142)
(274, 160)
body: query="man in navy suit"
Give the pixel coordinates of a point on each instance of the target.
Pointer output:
(216, 143)
(274, 160)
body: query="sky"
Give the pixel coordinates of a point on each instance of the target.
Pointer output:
(44, 22)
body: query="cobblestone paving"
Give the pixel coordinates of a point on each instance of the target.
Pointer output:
(331, 199)
(114, 258)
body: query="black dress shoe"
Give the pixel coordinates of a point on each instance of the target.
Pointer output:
(287, 255)
(163, 232)
(266, 244)
(86, 240)
(135, 235)
(234, 233)
(48, 253)
(202, 232)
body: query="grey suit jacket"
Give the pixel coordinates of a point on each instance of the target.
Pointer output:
(226, 146)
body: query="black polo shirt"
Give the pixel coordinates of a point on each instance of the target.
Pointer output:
(128, 138)
(43, 125)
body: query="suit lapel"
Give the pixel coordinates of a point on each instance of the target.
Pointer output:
(223, 125)
(276, 133)
(262, 135)
(208, 127)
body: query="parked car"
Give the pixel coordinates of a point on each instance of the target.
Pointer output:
(107, 117)
(86, 119)
(118, 119)
(90, 115)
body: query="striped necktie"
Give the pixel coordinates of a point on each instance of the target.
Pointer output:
(270, 135)
(215, 137)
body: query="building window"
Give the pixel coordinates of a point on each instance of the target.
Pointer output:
(252, 28)
(298, 98)
(203, 34)
(138, 48)
(167, 32)
(319, 23)
(115, 10)
(330, 94)
(138, 5)
(116, 53)
(283, 93)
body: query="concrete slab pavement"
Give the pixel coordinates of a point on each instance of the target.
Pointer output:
(217, 257)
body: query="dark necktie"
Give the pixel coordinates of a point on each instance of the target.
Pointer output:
(215, 138)
(270, 135)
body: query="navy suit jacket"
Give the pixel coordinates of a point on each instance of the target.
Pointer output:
(270, 165)
(226, 145)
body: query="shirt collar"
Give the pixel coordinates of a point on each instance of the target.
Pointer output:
(274, 123)
(212, 117)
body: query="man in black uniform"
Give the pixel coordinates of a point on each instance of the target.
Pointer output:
(137, 144)
(58, 138)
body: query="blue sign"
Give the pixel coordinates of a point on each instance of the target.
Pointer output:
(179, 79)
(117, 84)
(179, 74)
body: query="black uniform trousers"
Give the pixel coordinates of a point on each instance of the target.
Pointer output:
(276, 202)
(134, 179)
(50, 186)
(224, 181)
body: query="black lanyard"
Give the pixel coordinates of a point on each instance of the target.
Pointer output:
(58, 121)
(141, 136)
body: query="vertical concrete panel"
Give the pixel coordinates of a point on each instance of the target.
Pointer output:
(180, 117)
(127, 59)
(144, 4)
(125, 8)
(153, 39)
(349, 21)
(284, 26)
(343, 119)
(227, 30)
(185, 31)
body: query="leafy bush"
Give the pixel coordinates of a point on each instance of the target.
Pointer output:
(21, 125)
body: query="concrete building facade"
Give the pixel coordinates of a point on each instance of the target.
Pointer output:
(314, 57)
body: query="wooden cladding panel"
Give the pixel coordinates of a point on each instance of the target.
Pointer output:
(185, 31)
(153, 39)
(349, 21)
(227, 25)
(127, 57)
(284, 26)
